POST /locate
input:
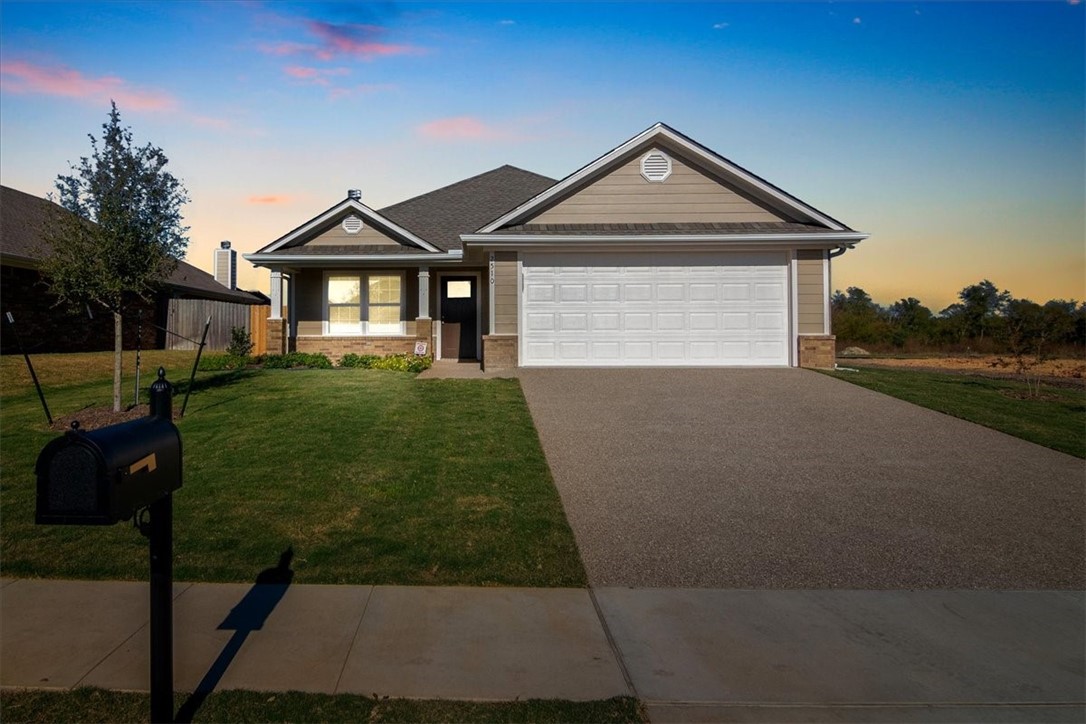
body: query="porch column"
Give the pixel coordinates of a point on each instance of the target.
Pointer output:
(276, 295)
(424, 292)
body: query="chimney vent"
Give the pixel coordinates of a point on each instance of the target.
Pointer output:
(355, 194)
(226, 265)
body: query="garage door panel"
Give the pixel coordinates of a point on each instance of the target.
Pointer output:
(695, 308)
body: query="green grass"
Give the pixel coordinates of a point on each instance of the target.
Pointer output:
(98, 705)
(369, 476)
(1057, 419)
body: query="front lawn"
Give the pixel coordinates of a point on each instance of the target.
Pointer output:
(98, 705)
(1057, 419)
(368, 476)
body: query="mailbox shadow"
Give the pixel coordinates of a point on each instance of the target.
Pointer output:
(248, 616)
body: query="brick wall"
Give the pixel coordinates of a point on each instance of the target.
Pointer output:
(817, 350)
(499, 352)
(336, 347)
(43, 326)
(277, 336)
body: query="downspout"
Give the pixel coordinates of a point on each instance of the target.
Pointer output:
(841, 250)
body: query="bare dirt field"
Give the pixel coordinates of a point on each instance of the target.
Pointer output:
(994, 365)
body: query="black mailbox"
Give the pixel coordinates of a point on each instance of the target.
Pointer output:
(106, 475)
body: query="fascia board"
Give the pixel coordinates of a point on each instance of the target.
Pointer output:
(524, 240)
(707, 157)
(263, 259)
(331, 213)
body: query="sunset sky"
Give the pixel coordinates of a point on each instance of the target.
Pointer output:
(952, 132)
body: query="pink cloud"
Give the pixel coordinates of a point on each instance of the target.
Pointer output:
(463, 128)
(272, 199)
(361, 89)
(354, 39)
(19, 76)
(331, 40)
(317, 76)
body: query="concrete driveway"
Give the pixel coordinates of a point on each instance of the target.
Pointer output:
(736, 478)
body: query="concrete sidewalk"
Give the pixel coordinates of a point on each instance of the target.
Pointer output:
(690, 655)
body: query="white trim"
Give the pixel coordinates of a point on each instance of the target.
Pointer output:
(659, 130)
(366, 212)
(520, 308)
(826, 291)
(276, 294)
(258, 259)
(793, 305)
(424, 293)
(478, 310)
(768, 239)
(364, 302)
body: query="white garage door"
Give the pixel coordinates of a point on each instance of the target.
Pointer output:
(639, 310)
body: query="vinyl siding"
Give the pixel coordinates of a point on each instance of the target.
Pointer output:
(369, 236)
(811, 292)
(505, 292)
(625, 196)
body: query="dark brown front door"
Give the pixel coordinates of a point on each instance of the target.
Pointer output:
(459, 330)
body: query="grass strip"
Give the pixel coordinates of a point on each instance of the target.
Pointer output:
(99, 705)
(1055, 419)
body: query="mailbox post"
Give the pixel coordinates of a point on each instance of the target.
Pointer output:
(119, 473)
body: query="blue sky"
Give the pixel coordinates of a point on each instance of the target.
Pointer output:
(952, 132)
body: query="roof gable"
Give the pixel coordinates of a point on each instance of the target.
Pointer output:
(324, 222)
(755, 192)
(624, 195)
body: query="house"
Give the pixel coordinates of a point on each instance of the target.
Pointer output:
(658, 253)
(45, 326)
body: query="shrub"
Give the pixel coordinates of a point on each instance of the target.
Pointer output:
(241, 343)
(292, 360)
(219, 362)
(397, 362)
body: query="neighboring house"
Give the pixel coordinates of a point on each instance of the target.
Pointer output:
(45, 326)
(658, 253)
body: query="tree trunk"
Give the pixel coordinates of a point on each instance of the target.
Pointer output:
(118, 340)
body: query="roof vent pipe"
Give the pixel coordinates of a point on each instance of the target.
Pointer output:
(355, 194)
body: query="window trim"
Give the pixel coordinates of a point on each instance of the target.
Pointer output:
(364, 301)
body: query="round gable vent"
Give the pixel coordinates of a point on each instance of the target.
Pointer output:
(655, 166)
(352, 224)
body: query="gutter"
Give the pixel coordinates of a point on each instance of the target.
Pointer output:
(258, 259)
(840, 239)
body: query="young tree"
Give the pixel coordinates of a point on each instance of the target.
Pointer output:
(123, 236)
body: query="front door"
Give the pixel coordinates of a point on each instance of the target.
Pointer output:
(459, 329)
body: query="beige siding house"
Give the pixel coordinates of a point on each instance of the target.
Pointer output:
(658, 253)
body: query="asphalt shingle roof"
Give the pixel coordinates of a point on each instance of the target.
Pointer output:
(23, 215)
(441, 216)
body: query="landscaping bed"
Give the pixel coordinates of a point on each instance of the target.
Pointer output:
(367, 475)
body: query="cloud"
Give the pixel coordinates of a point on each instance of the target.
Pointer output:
(271, 199)
(463, 128)
(720, 26)
(507, 22)
(332, 40)
(315, 76)
(856, 21)
(19, 76)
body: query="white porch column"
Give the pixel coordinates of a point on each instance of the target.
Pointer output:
(276, 294)
(424, 292)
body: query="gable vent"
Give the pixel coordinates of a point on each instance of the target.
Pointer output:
(352, 224)
(655, 166)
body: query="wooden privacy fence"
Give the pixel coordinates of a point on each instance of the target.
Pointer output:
(187, 317)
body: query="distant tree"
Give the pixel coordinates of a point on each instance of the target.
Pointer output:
(978, 312)
(124, 235)
(910, 319)
(856, 318)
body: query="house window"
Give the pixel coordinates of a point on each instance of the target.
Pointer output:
(366, 304)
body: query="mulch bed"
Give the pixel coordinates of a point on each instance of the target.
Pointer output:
(91, 418)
